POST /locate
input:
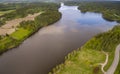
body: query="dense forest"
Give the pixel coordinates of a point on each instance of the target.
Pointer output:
(49, 15)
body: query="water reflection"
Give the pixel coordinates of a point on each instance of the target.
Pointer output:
(47, 48)
(93, 20)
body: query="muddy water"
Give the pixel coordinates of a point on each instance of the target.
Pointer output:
(47, 48)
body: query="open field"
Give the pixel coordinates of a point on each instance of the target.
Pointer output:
(84, 61)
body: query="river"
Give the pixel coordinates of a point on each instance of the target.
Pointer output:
(48, 47)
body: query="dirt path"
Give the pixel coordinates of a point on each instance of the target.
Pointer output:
(114, 65)
(104, 64)
(10, 26)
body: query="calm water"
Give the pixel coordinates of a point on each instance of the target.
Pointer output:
(47, 48)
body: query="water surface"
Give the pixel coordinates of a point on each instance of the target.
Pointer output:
(47, 48)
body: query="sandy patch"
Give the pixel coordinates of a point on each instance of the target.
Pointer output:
(10, 26)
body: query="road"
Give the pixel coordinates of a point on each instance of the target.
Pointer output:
(114, 65)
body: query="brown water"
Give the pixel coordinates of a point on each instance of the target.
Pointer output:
(48, 47)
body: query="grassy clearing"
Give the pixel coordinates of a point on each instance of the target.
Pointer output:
(20, 34)
(14, 39)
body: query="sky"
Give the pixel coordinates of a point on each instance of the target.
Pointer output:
(58, 0)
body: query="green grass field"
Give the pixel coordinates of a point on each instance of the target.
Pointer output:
(14, 39)
(20, 34)
(84, 61)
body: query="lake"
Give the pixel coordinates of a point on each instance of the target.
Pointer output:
(48, 47)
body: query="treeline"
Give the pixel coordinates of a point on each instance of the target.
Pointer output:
(105, 41)
(46, 18)
(10, 6)
(49, 15)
